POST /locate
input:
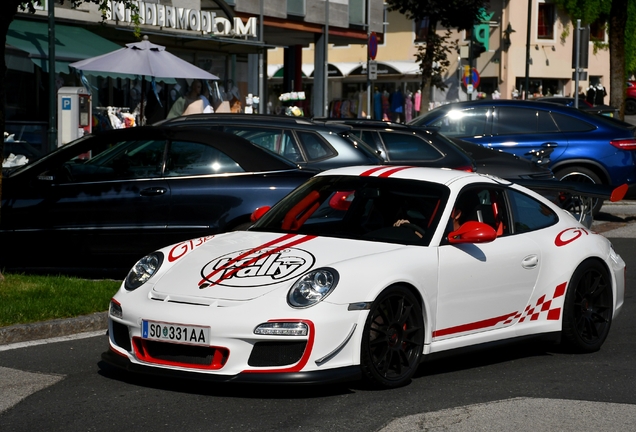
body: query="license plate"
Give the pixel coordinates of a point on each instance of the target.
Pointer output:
(180, 333)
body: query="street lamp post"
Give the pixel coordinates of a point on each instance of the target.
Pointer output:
(527, 85)
(326, 66)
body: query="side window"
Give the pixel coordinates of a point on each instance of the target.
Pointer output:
(470, 122)
(514, 121)
(528, 213)
(545, 123)
(273, 139)
(408, 147)
(483, 204)
(571, 124)
(190, 158)
(117, 161)
(314, 146)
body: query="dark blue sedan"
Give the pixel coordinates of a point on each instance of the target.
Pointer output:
(103, 201)
(586, 147)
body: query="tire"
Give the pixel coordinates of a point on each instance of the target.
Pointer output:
(582, 175)
(587, 312)
(393, 339)
(630, 107)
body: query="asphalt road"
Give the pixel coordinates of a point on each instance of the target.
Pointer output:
(525, 387)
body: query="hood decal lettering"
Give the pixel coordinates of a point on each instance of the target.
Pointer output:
(264, 265)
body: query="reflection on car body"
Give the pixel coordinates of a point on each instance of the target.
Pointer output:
(107, 199)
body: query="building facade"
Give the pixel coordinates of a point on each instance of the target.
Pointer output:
(228, 38)
(500, 69)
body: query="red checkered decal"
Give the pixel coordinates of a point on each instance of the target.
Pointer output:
(542, 306)
(543, 309)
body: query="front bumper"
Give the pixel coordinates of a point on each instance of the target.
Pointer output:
(329, 376)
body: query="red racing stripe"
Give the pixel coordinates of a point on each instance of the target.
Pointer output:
(371, 171)
(393, 171)
(253, 260)
(491, 322)
(251, 251)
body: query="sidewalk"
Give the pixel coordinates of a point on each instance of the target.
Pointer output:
(53, 328)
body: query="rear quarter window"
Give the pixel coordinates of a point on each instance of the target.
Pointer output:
(571, 124)
(529, 214)
(405, 147)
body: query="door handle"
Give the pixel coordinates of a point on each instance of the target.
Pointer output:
(153, 191)
(530, 262)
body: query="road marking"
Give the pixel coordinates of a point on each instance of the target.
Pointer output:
(77, 336)
(16, 385)
(522, 415)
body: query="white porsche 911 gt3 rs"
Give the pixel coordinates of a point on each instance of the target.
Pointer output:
(363, 272)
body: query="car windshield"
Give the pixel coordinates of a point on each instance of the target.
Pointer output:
(360, 207)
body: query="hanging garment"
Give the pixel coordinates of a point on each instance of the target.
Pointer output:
(408, 109)
(418, 101)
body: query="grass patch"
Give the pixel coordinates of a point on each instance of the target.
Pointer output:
(26, 299)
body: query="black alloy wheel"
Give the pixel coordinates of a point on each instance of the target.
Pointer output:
(393, 339)
(587, 314)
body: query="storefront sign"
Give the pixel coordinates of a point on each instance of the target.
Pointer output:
(184, 19)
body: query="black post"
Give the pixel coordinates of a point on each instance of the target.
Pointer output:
(528, 48)
(52, 90)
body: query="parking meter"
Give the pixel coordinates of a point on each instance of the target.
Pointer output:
(74, 114)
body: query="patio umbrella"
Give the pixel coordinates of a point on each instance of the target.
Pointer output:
(146, 59)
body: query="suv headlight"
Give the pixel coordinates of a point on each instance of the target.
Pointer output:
(312, 288)
(143, 270)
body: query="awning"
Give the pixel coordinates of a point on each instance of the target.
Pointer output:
(352, 69)
(389, 68)
(71, 43)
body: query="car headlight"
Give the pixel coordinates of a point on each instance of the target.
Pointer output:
(143, 270)
(312, 288)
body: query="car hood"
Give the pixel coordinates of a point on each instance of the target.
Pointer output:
(244, 265)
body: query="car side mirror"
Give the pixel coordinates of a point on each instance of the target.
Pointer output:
(258, 213)
(472, 232)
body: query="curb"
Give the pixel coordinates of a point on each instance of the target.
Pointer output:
(54, 328)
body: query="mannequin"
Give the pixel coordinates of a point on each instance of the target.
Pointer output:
(377, 105)
(590, 96)
(600, 94)
(408, 107)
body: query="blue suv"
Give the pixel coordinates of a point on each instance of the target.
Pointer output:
(585, 147)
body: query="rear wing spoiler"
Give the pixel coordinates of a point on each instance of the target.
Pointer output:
(576, 198)
(589, 190)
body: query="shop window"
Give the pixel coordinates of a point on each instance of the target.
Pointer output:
(546, 20)
(296, 7)
(597, 31)
(421, 30)
(357, 12)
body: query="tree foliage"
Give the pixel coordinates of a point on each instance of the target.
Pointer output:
(448, 14)
(620, 18)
